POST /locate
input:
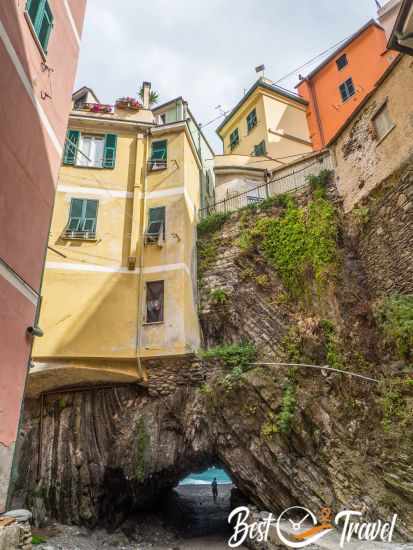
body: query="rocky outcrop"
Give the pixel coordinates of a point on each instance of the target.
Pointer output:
(306, 437)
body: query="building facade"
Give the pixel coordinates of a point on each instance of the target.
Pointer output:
(396, 16)
(377, 140)
(39, 49)
(120, 278)
(336, 87)
(266, 130)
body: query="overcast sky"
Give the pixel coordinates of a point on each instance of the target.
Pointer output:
(206, 50)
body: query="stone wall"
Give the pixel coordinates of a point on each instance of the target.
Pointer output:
(386, 240)
(363, 162)
(166, 375)
(17, 536)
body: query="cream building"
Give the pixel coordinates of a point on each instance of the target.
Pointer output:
(120, 279)
(266, 130)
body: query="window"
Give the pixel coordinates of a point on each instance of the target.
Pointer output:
(260, 150)
(90, 150)
(82, 219)
(347, 89)
(156, 225)
(341, 62)
(382, 122)
(162, 118)
(233, 139)
(41, 18)
(154, 302)
(159, 155)
(252, 120)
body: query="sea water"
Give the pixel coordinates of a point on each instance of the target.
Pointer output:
(206, 477)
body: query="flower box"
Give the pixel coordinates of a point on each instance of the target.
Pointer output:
(96, 108)
(128, 103)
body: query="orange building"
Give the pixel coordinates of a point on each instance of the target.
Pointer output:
(338, 85)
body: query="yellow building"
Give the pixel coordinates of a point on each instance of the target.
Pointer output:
(120, 279)
(266, 130)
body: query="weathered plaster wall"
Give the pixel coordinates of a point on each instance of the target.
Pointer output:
(363, 162)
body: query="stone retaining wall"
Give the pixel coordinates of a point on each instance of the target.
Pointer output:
(386, 241)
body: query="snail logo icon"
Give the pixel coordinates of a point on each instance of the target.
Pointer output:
(306, 529)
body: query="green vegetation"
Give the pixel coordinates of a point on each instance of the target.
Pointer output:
(219, 296)
(269, 428)
(362, 215)
(233, 355)
(395, 317)
(62, 403)
(153, 96)
(395, 410)
(283, 421)
(319, 183)
(301, 244)
(334, 355)
(292, 345)
(211, 223)
(207, 255)
(142, 443)
(206, 390)
(288, 407)
(283, 200)
(37, 539)
(236, 357)
(262, 280)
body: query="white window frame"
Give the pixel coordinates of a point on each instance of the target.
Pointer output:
(89, 157)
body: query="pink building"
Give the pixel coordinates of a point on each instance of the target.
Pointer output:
(39, 50)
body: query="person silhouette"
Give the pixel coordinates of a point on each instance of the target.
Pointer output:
(214, 487)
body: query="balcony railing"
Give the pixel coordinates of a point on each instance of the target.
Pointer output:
(155, 237)
(158, 164)
(79, 235)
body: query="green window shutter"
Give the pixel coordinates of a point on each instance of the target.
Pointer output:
(159, 150)
(45, 27)
(252, 120)
(234, 139)
(83, 215)
(71, 145)
(33, 9)
(90, 215)
(41, 17)
(260, 149)
(156, 221)
(75, 214)
(109, 155)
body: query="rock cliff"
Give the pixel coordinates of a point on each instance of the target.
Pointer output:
(282, 283)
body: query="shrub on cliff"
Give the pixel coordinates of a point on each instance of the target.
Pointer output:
(301, 244)
(395, 317)
(211, 223)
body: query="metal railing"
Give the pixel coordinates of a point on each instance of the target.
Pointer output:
(154, 165)
(79, 235)
(295, 179)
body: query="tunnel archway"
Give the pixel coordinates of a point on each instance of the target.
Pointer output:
(108, 451)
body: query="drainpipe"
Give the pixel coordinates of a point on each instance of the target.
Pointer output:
(141, 237)
(313, 96)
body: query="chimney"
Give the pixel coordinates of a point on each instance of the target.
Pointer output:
(146, 93)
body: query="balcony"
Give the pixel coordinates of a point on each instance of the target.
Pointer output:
(155, 234)
(158, 164)
(69, 234)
